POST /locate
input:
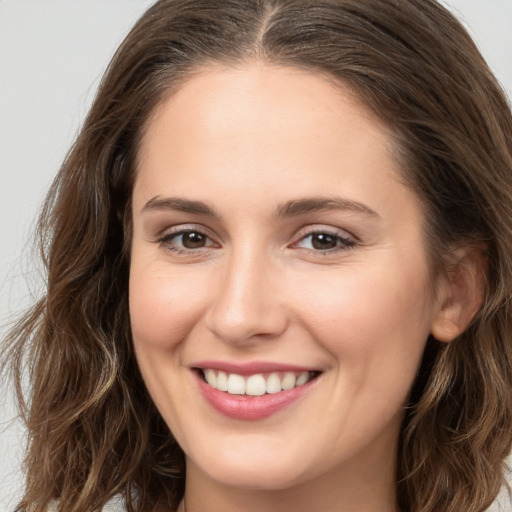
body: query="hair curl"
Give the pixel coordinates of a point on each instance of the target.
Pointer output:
(93, 429)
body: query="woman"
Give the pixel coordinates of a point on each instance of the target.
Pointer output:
(279, 269)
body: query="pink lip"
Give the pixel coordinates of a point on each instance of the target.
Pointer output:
(244, 407)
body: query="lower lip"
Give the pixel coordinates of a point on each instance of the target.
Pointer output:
(245, 407)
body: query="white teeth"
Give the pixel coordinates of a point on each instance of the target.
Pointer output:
(302, 379)
(222, 381)
(211, 378)
(288, 381)
(273, 383)
(257, 384)
(236, 384)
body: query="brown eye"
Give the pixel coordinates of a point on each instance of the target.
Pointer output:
(324, 241)
(193, 240)
(186, 240)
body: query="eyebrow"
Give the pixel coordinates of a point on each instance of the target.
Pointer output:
(310, 205)
(179, 204)
(293, 208)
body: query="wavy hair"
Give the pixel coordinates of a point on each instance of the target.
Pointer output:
(93, 429)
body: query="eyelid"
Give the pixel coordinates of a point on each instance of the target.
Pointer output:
(183, 228)
(323, 228)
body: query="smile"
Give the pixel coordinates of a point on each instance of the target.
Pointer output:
(258, 384)
(253, 391)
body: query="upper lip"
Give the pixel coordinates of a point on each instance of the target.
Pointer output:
(252, 368)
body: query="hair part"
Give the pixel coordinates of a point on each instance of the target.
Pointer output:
(93, 429)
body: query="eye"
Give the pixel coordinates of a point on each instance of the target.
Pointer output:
(186, 240)
(324, 241)
(192, 239)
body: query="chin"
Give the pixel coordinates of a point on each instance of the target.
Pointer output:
(251, 471)
(256, 478)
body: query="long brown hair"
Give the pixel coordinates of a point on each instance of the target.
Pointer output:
(93, 429)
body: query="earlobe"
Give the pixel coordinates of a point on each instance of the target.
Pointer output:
(461, 292)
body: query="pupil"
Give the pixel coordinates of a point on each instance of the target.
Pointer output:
(324, 241)
(193, 240)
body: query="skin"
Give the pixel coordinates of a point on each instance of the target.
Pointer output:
(245, 141)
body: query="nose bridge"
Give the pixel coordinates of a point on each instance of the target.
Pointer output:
(246, 304)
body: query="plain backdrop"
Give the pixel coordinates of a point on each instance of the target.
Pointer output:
(52, 54)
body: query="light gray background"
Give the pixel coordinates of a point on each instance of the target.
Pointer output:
(52, 54)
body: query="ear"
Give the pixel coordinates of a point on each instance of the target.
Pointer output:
(460, 292)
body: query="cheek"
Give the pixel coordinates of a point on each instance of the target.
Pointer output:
(163, 307)
(373, 323)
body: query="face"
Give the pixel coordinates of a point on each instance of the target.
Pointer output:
(277, 256)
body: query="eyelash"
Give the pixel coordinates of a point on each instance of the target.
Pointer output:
(343, 243)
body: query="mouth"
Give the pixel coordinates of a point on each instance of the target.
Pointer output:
(253, 391)
(257, 384)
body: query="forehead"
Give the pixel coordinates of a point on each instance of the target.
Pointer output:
(253, 113)
(262, 136)
(253, 88)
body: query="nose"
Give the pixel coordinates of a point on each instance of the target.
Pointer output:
(246, 307)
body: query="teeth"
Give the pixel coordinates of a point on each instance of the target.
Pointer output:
(210, 377)
(255, 385)
(273, 383)
(222, 381)
(302, 379)
(236, 384)
(289, 381)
